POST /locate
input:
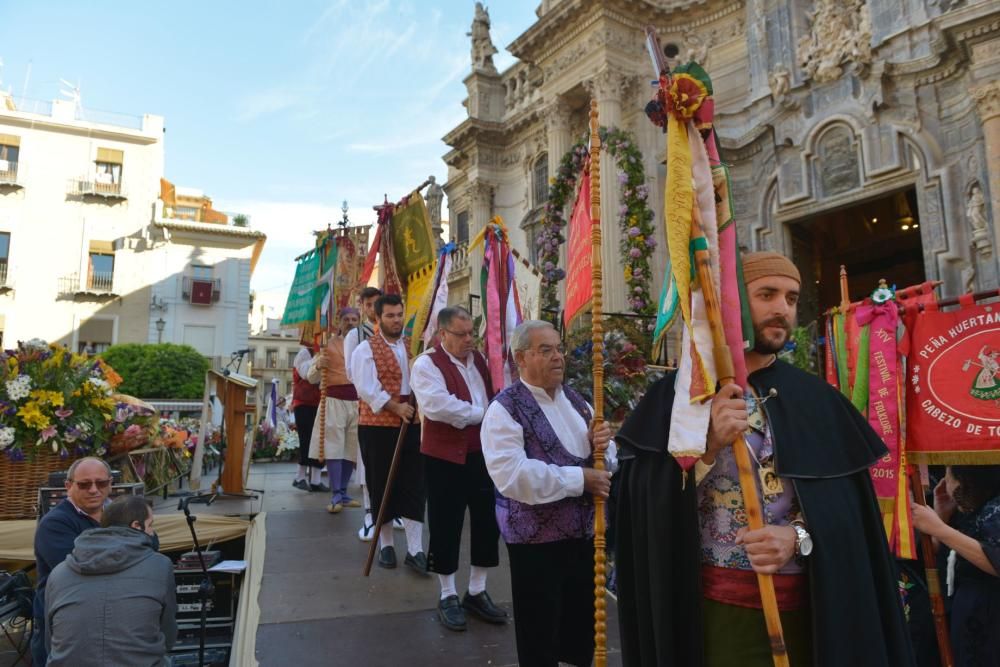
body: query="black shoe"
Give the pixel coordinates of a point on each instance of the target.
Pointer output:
(319, 487)
(482, 606)
(418, 563)
(387, 558)
(301, 484)
(450, 614)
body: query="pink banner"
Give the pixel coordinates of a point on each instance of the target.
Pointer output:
(883, 398)
(579, 290)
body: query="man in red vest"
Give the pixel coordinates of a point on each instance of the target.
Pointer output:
(452, 384)
(380, 372)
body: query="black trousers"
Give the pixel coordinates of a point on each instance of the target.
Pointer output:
(451, 488)
(409, 495)
(305, 417)
(553, 589)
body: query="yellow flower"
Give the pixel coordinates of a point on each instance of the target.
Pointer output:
(640, 238)
(45, 397)
(31, 414)
(628, 273)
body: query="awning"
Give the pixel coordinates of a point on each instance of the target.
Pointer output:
(102, 247)
(10, 140)
(110, 155)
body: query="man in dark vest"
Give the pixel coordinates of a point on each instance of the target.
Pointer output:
(380, 371)
(452, 384)
(305, 403)
(538, 444)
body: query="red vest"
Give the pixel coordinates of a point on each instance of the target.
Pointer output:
(304, 392)
(390, 375)
(444, 441)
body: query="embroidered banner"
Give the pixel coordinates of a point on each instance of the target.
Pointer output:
(953, 398)
(579, 290)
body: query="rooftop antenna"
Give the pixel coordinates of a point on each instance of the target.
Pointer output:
(24, 88)
(73, 94)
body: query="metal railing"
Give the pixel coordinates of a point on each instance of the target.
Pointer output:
(8, 172)
(460, 258)
(99, 282)
(92, 188)
(3, 273)
(187, 287)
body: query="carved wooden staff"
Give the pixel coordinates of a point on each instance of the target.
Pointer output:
(724, 369)
(597, 332)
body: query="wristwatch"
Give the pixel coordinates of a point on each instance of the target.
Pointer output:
(803, 541)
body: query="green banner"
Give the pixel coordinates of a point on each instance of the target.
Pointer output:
(301, 304)
(412, 240)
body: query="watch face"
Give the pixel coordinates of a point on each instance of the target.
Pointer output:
(806, 546)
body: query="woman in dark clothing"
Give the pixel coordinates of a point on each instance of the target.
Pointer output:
(973, 534)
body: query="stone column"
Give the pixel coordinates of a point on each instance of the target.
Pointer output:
(557, 133)
(608, 87)
(480, 213)
(987, 97)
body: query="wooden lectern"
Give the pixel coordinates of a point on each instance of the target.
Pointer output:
(231, 390)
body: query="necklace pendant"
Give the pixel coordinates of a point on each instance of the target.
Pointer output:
(770, 483)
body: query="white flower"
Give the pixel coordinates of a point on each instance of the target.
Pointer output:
(6, 437)
(19, 387)
(36, 344)
(100, 384)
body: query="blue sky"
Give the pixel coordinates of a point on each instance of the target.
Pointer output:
(281, 110)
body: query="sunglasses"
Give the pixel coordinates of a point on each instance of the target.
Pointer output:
(87, 483)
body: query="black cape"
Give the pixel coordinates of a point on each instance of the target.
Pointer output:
(825, 447)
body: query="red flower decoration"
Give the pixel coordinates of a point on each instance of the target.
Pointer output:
(685, 96)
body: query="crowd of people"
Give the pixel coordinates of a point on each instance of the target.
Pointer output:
(520, 460)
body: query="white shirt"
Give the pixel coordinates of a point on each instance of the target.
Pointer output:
(351, 342)
(364, 375)
(532, 481)
(437, 403)
(302, 362)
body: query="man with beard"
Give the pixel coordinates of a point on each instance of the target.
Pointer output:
(381, 373)
(686, 560)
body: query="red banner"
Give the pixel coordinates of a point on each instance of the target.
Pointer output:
(953, 397)
(579, 290)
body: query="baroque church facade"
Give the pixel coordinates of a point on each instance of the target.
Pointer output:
(858, 132)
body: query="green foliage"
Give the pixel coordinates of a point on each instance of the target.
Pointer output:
(163, 370)
(801, 350)
(240, 220)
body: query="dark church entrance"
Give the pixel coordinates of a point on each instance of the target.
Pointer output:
(876, 239)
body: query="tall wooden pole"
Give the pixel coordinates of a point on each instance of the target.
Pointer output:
(597, 331)
(321, 413)
(748, 486)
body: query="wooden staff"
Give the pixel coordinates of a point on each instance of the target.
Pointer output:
(387, 494)
(597, 336)
(933, 582)
(321, 414)
(724, 369)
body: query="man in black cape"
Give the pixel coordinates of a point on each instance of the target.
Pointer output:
(684, 600)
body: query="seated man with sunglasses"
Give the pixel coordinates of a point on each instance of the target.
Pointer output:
(88, 482)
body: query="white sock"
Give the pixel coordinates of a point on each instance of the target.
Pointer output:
(301, 474)
(367, 500)
(315, 475)
(414, 536)
(447, 585)
(477, 580)
(385, 536)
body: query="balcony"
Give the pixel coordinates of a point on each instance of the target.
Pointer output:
(80, 187)
(99, 283)
(5, 285)
(8, 174)
(201, 292)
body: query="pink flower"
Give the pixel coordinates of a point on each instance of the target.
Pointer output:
(635, 253)
(48, 433)
(62, 413)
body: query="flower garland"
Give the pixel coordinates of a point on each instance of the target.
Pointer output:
(635, 220)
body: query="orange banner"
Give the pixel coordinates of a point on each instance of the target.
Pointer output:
(579, 290)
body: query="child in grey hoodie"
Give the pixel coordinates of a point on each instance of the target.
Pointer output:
(113, 600)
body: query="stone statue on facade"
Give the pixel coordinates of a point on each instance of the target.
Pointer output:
(975, 211)
(482, 44)
(435, 193)
(840, 34)
(780, 80)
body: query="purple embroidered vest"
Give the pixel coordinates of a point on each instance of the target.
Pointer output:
(569, 518)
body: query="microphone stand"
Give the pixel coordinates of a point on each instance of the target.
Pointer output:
(206, 590)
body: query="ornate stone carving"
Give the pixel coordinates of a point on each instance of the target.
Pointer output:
(608, 84)
(838, 162)
(482, 44)
(698, 46)
(840, 34)
(434, 196)
(780, 80)
(975, 213)
(557, 116)
(987, 99)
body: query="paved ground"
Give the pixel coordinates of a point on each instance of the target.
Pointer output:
(318, 609)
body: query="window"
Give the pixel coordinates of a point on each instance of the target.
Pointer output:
(4, 255)
(540, 180)
(291, 358)
(462, 228)
(271, 358)
(201, 272)
(108, 170)
(10, 146)
(100, 271)
(252, 357)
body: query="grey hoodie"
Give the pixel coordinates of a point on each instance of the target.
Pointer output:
(111, 602)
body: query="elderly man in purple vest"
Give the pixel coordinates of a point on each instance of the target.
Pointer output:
(452, 385)
(538, 446)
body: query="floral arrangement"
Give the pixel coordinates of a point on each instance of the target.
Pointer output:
(625, 374)
(635, 219)
(54, 400)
